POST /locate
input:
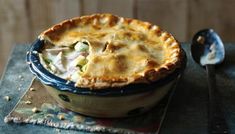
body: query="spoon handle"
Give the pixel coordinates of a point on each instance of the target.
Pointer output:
(217, 122)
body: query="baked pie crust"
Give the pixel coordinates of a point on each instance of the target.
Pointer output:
(122, 51)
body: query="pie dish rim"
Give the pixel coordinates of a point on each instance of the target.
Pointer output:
(47, 78)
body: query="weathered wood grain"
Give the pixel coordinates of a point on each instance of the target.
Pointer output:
(14, 27)
(39, 15)
(117, 7)
(64, 9)
(171, 15)
(89, 6)
(216, 14)
(45, 13)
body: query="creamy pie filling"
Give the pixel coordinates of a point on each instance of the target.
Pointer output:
(66, 62)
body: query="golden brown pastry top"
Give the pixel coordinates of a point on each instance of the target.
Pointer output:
(121, 50)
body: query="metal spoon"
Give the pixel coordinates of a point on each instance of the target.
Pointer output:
(207, 50)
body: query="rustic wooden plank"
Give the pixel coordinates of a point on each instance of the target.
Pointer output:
(44, 13)
(216, 14)
(14, 27)
(118, 7)
(171, 15)
(89, 6)
(64, 9)
(40, 16)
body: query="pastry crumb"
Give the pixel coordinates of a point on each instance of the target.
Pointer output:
(58, 130)
(201, 39)
(61, 117)
(28, 102)
(35, 110)
(20, 76)
(32, 89)
(7, 98)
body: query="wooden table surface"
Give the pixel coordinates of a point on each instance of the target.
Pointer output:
(187, 113)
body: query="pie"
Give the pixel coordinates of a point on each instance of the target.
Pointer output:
(103, 50)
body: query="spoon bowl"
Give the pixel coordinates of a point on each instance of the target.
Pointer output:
(207, 48)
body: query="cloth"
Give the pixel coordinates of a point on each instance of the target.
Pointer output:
(49, 114)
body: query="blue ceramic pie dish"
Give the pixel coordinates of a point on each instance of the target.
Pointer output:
(110, 102)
